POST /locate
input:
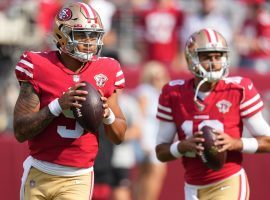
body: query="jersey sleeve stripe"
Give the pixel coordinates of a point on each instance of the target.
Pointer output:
(164, 116)
(120, 82)
(24, 71)
(166, 109)
(250, 101)
(28, 64)
(119, 73)
(252, 109)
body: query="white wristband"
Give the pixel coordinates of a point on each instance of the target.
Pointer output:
(250, 145)
(110, 119)
(55, 107)
(174, 150)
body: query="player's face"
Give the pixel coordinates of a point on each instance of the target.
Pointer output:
(211, 61)
(87, 41)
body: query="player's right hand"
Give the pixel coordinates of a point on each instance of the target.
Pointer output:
(193, 144)
(72, 97)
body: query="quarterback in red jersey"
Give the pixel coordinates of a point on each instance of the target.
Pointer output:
(225, 104)
(62, 153)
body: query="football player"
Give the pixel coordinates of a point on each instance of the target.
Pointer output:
(62, 153)
(224, 103)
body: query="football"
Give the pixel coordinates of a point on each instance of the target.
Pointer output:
(211, 157)
(90, 115)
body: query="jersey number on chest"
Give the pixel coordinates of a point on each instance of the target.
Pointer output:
(188, 126)
(64, 132)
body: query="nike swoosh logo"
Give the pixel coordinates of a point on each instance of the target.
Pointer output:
(250, 86)
(225, 187)
(24, 55)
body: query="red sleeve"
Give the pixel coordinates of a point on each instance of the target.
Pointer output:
(164, 111)
(119, 77)
(251, 102)
(25, 69)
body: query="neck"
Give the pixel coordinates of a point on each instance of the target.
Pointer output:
(206, 87)
(71, 63)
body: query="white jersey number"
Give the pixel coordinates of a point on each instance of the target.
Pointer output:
(187, 126)
(64, 132)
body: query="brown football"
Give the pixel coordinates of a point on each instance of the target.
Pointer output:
(90, 115)
(211, 157)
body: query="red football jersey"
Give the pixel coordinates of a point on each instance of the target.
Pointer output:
(160, 30)
(233, 98)
(64, 141)
(258, 27)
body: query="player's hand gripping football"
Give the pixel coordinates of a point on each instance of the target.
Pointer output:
(193, 144)
(105, 104)
(72, 97)
(226, 142)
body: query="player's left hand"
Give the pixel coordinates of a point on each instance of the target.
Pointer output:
(226, 142)
(105, 104)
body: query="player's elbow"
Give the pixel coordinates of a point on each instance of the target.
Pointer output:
(120, 138)
(19, 137)
(160, 156)
(118, 141)
(18, 132)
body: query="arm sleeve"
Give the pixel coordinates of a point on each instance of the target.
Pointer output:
(256, 125)
(164, 111)
(251, 101)
(166, 132)
(25, 69)
(120, 78)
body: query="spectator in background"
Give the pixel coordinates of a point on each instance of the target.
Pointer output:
(207, 16)
(47, 9)
(158, 31)
(253, 38)
(151, 171)
(124, 158)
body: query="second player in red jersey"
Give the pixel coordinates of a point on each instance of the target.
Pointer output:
(223, 103)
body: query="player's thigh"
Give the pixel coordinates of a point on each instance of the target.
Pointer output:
(34, 188)
(78, 187)
(42, 186)
(233, 188)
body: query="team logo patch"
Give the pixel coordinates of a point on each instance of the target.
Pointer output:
(65, 14)
(76, 78)
(32, 183)
(100, 79)
(224, 106)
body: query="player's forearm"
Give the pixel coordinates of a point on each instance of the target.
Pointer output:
(27, 126)
(116, 131)
(163, 152)
(264, 144)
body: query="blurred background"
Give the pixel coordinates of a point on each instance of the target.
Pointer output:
(147, 37)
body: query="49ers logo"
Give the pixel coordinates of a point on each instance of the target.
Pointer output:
(100, 80)
(65, 14)
(223, 106)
